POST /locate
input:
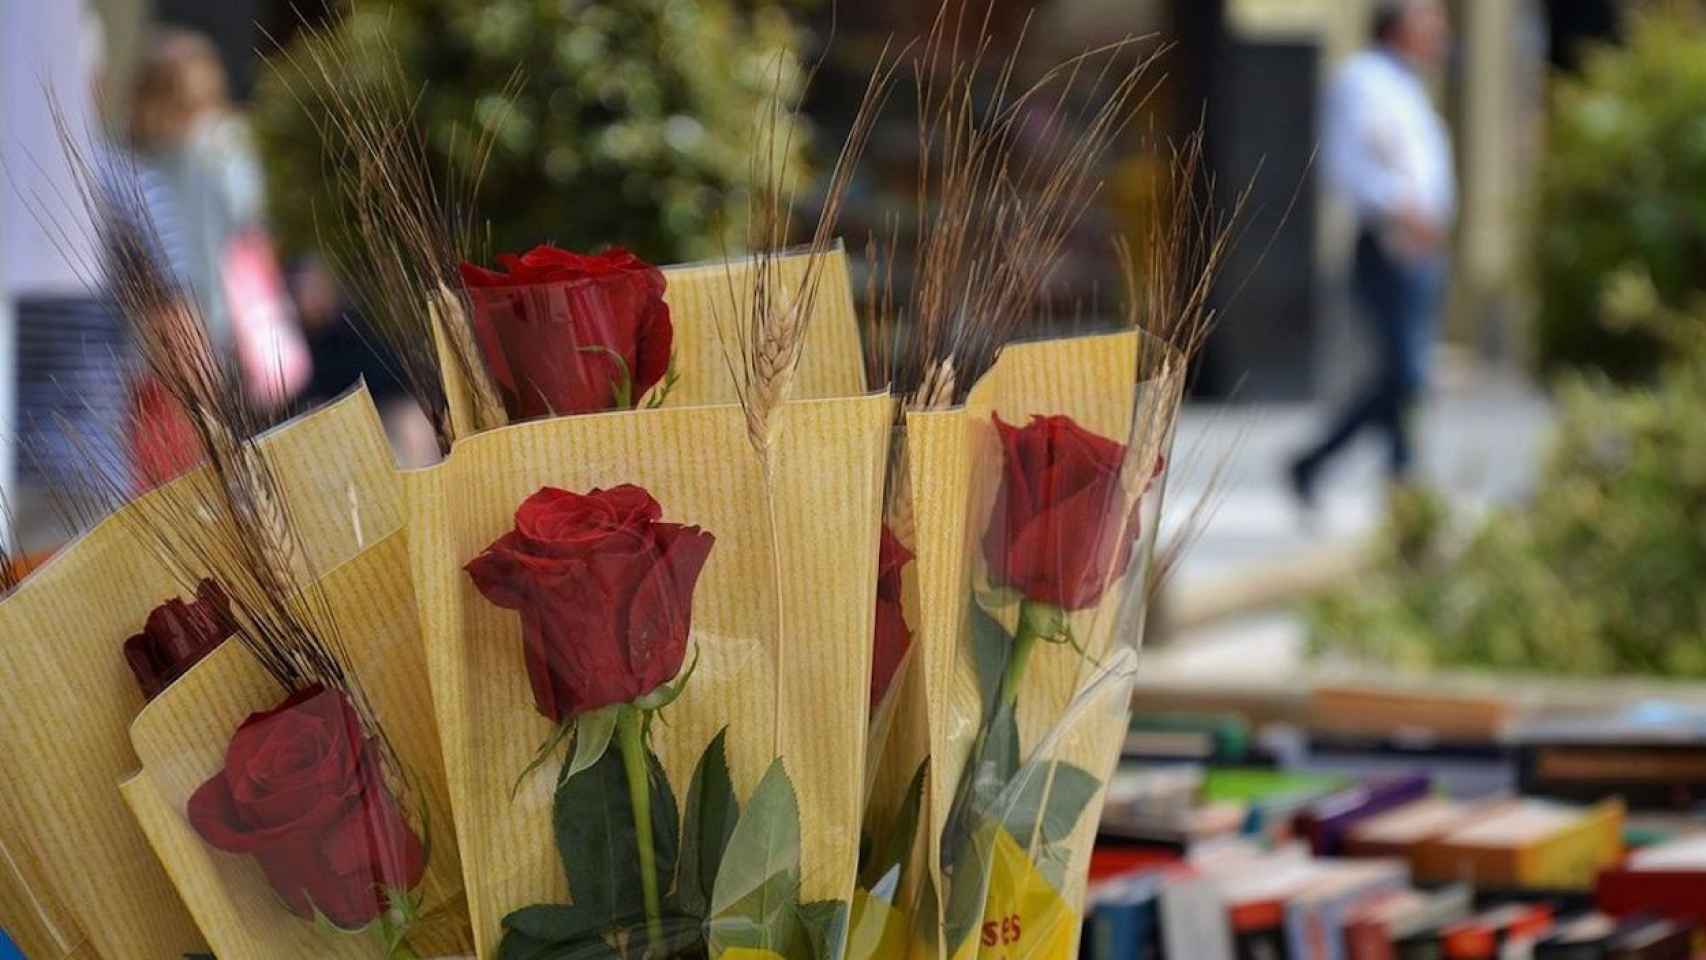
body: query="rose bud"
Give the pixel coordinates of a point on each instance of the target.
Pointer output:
(565, 333)
(605, 592)
(176, 636)
(892, 636)
(1055, 532)
(303, 793)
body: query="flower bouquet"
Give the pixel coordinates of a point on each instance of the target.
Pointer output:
(692, 644)
(643, 661)
(80, 683)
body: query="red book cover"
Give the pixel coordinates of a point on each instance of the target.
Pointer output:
(1677, 894)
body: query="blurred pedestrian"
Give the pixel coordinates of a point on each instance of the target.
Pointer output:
(1387, 152)
(62, 340)
(184, 130)
(346, 351)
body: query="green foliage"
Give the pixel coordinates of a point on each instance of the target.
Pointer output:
(634, 122)
(1599, 574)
(1620, 191)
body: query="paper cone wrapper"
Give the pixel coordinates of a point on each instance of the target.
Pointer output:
(952, 462)
(182, 735)
(781, 622)
(72, 840)
(706, 303)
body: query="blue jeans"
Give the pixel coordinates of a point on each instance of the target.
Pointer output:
(1400, 301)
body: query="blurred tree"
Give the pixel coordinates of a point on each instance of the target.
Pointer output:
(1620, 189)
(1600, 572)
(634, 122)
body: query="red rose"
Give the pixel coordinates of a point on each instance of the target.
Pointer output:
(892, 637)
(605, 592)
(176, 636)
(564, 333)
(302, 792)
(1055, 531)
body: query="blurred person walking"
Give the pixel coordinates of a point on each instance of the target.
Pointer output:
(188, 139)
(1387, 152)
(186, 134)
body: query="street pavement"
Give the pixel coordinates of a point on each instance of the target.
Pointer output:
(1483, 436)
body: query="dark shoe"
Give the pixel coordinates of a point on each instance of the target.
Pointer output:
(1301, 473)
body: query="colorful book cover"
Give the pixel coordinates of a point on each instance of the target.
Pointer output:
(1193, 919)
(1532, 844)
(1317, 916)
(1327, 822)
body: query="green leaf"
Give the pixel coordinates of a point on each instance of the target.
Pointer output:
(547, 748)
(1027, 806)
(552, 923)
(518, 946)
(991, 646)
(592, 737)
(823, 925)
(896, 843)
(759, 880)
(712, 812)
(680, 938)
(666, 824)
(764, 919)
(967, 880)
(994, 767)
(594, 825)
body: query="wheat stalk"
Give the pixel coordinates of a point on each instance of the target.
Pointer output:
(399, 244)
(993, 218)
(230, 521)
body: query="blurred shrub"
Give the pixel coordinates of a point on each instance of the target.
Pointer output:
(1600, 573)
(634, 122)
(1621, 189)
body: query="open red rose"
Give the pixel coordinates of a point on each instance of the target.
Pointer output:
(892, 635)
(176, 636)
(605, 591)
(565, 333)
(1057, 532)
(302, 792)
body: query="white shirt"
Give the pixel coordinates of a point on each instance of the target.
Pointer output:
(1385, 147)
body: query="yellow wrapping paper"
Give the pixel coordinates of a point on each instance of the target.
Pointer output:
(181, 739)
(1024, 918)
(953, 464)
(703, 296)
(800, 695)
(66, 724)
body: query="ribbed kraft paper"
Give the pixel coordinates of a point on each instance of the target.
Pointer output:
(36, 922)
(71, 697)
(703, 300)
(801, 696)
(702, 297)
(182, 735)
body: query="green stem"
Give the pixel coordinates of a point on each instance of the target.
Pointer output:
(631, 739)
(1024, 641)
(404, 952)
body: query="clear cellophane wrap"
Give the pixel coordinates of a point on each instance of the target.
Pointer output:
(1122, 386)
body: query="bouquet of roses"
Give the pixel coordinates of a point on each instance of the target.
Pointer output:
(689, 646)
(646, 732)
